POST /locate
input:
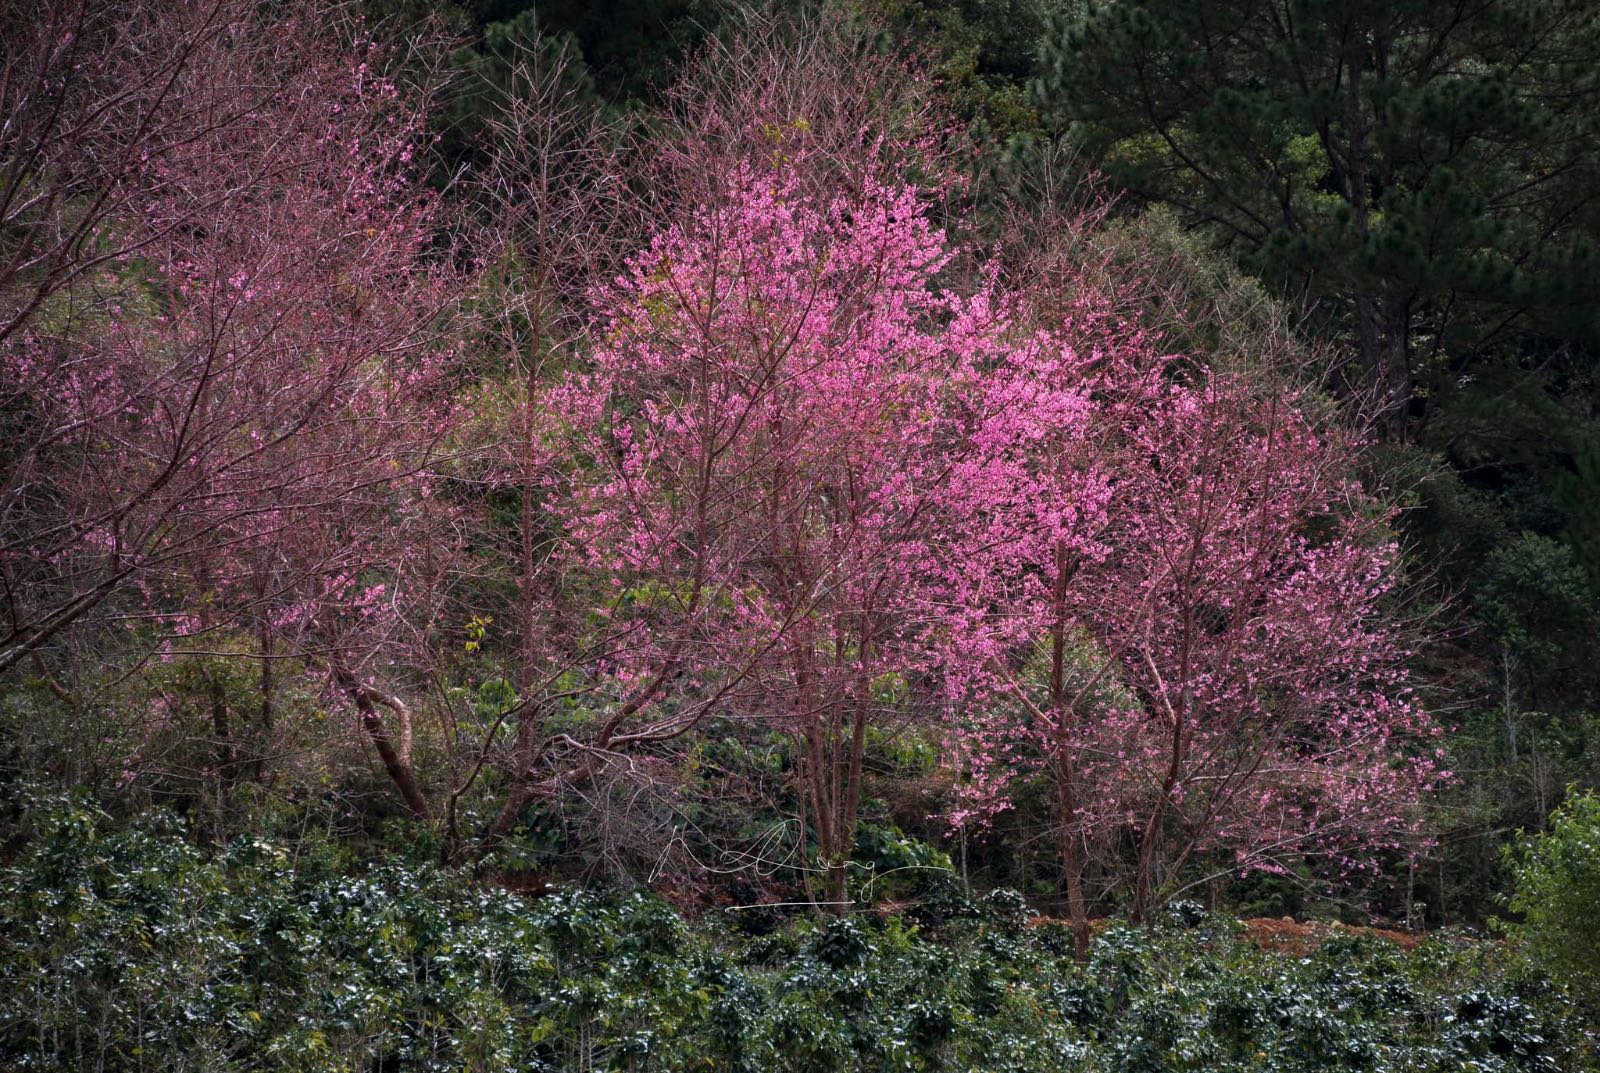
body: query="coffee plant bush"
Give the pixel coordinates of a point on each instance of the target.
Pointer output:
(123, 947)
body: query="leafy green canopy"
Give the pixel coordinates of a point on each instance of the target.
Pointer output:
(1557, 893)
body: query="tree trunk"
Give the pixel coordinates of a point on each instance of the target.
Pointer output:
(1072, 869)
(838, 877)
(221, 727)
(1383, 328)
(1066, 792)
(526, 753)
(1144, 889)
(1383, 323)
(836, 887)
(267, 715)
(1508, 702)
(396, 762)
(1144, 882)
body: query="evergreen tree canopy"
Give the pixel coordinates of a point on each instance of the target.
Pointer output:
(1427, 165)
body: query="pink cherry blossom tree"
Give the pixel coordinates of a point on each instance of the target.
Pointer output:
(1203, 663)
(1274, 717)
(244, 441)
(768, 410)
(1028, 513)
(763, 408)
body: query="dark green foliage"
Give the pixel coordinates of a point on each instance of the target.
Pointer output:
(129, 949)
(1428, 165)
(631, 46)
(984, 53)
(1533, 597)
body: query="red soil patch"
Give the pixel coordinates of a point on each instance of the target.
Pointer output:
(1294, 937)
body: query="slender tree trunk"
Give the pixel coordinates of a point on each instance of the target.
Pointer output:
(836, 886)
(528, 566)
(1066, 769)
(966, 882)
(222, 728)
(223, 767)
(396, 762)
(826, 794)
(1397, 367)
(839, 869)
(267, 713)
(527, 756)
(1411, 889)
(1540, 797)
(1508, 702)
(1383, 322)
(821, 783)
(1144, 889)
(1072, 869)
(1144, 882)
(1383, 329)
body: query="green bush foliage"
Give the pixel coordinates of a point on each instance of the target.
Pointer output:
(1557, 894)
(127, 948)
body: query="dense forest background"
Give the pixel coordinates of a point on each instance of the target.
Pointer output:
(368, 564)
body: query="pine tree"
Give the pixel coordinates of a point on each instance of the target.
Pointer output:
(1423, 169)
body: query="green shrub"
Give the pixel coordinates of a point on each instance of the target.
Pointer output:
(127, 949)
(1557, 894)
